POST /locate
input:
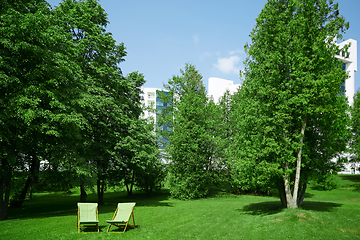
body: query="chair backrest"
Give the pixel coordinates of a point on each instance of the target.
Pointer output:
(123, 211)
(87, 212)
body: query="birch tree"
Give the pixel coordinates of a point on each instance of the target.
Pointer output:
(291, 88)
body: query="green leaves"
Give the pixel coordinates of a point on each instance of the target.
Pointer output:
(64, 96)
(291, 77)
(191, 144)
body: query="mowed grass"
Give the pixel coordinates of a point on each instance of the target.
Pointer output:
(324, 215)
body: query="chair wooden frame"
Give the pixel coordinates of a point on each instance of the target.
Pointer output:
(122, 222)
(87, 223)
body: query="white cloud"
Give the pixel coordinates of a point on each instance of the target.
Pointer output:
(236, 51)
(206, 55)
(196, 38)
(228, 65)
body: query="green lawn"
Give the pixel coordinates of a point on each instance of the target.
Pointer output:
(324, 215)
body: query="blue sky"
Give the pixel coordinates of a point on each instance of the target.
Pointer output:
(162, 35)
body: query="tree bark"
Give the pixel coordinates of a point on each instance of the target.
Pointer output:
(292, 199)
(34, 170)
(282, 195)
(298, 163)
(301, 194)
(129, 189)
(5, 185)
(289, 197)
(132, 181)
(100, 191)
(83, 194)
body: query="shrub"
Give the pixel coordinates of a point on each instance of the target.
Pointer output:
(325, 182)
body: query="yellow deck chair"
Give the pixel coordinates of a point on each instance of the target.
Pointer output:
(122, 215)
(87, 215)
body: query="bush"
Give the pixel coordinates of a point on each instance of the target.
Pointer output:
(15, 201)
(151, 177)
(189, 186)
(325, 182)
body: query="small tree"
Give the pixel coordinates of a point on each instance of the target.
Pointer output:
(188, 141)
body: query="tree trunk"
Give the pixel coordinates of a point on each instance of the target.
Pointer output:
(24, 191)
(31, 192)
(301, 194)
(100, 190)
(129, 189)
(5, 185)
(290, 202)
(34, 170)
(282, 194)
(83, 194)
(292, 199)
(98, 183)
(132, 181)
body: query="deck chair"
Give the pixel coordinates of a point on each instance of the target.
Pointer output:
(122, 215)
(87, 215)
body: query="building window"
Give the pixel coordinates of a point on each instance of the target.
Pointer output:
(151, 95)
(342, 87)
(150, 102)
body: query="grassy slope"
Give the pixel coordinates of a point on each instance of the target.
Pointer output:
(325, 215)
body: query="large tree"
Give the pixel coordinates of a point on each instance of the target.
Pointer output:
(291, 118)
(107, 101)
(39, 85)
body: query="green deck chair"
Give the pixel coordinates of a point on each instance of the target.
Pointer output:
(87, 215)
(121, 218)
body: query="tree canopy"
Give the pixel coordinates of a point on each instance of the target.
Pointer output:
(64, 99)
(291, 119)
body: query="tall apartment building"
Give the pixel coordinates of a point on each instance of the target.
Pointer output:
(151, 99)
(350, 65)
(218, 86)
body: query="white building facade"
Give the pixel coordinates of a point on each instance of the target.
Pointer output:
(218, 86)
(349, 60)
(150, 99)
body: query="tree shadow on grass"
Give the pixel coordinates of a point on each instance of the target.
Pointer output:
(320, 206)
(353, 177)
(262, 208)
(59, 204)
(269, 208)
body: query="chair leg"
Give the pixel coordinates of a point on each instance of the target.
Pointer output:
(125, 227)
(132, 214)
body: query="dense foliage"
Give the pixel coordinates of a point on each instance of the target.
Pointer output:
(65, 104)
(68, 114)
(291, 119)
(190, 144)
